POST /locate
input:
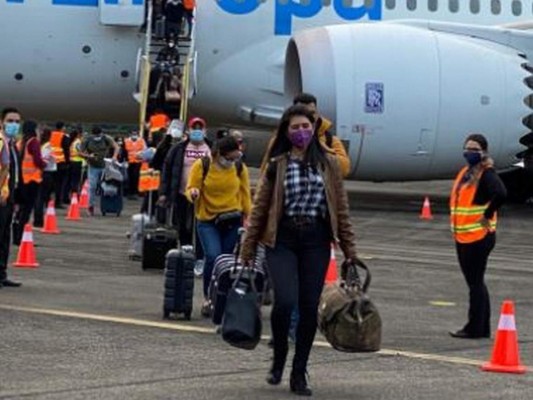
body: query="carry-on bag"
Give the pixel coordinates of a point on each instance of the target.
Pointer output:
(179, 282)
(157, 242)
(139, 223)
(241, 324)
(346, 316)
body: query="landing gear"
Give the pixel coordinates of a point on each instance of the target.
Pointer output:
(519, 184)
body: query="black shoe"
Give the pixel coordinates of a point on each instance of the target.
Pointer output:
(274, 376)
(10, 283)
(270, 343)
(462, 334)
(299, 384)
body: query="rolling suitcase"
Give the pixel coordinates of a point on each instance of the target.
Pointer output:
(111, 204)
(179, 282)
(157, 242)
(139, 223)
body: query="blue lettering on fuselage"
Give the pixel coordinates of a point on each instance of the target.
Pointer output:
(83, 3)
(285, 10)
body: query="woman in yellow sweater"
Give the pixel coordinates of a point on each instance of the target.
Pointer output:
(220, 189)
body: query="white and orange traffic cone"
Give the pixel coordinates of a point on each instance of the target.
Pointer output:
(505, 355)
(84, 198)
(74, 209)
(426, 210)
(332, 273)
(26, 256)
(50, 220)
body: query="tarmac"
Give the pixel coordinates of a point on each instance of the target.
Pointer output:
(87, 324)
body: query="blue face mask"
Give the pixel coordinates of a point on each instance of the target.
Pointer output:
(196, 135)
(472, 157)
(11, 129)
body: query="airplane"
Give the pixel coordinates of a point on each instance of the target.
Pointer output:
(403, 81)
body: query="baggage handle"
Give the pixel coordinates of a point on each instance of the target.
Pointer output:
(351, 277)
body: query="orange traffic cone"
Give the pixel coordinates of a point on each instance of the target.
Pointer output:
(74, 209)
(426, 210)
(26, 256)
(505, 357)
(84, 198)
(50, 220)
(332, 275)
(85, 184)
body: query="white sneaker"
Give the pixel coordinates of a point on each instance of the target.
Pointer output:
(199, 268)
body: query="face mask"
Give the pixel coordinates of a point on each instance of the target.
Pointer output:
(301, 137)
(134, 137)
(175, 133)
(196, 135)
(472, 157)
(12, 129)
(171, 45)
(97, 137)
(225, 163)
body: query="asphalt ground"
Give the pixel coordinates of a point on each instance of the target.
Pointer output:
(88, 323)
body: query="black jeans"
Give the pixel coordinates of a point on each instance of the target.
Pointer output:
(76, 170)
(45, 192)
(60, 184)
(28, 199)
(6, 217)
(473, 261)
(297, 267)
(134, 170)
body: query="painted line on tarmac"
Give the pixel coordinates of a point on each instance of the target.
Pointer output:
(198, 329)
(440, 303)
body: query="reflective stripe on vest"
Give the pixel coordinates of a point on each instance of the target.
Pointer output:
(55, 141)
(464, 214)
(30, 172)
(133, 147)
(149, 179)
(75, 151)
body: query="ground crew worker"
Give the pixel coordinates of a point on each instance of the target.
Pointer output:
(477, 194)
(47, 185)
(9, 175)
(222, 197)
(188, 13)
(300, 207)
(77, 162)
(32, 176)
(61, 149)
(134, 146)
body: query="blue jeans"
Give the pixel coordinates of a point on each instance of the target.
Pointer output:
(94, 178)
(215, 241)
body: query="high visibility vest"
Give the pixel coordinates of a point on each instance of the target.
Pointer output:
(464, 214)
(30, 171)
(189, 4)
(133, 147)
(55, 141)
(149, 179)
(158, 121)
(75, 151)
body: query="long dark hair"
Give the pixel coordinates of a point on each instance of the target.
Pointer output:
(29, 130)
(315, 154)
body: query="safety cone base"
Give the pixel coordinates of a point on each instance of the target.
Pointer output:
(514, 369)
(26, 265)
(52, 232)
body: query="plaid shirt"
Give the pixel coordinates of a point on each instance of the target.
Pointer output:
(305, 194)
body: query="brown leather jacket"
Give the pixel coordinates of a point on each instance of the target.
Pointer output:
(267, 209)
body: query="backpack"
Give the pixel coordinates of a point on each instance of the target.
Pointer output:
(206, 163)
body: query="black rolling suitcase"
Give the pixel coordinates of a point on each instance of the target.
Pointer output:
(179, 282)
(157, 242)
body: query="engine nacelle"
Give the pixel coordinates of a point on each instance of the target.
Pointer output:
(404, 98)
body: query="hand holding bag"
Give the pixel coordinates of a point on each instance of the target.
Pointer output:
(241, 324)
(346, 315)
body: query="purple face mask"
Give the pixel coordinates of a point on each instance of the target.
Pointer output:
(301, 138)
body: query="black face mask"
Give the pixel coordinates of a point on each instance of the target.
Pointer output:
(473, 157)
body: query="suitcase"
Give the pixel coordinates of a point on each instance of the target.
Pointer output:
(111, 204)
(157, 242)
(159, 31)
(179, 282)
(139, 223)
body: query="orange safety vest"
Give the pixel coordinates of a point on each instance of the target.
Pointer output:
(189, 4)
(133, 147)
(158, 121)
(464, 214)
(149, 179)
(55, 141)
(30, 171)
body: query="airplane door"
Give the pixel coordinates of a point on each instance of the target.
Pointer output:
(122, 12)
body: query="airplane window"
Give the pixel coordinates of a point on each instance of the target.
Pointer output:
(474, 6)
(411, 5)
(496, 7)
(433, 5)
(516, 6)
(454, 5)
(390, 4)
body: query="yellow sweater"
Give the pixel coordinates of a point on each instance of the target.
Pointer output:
(221, 191)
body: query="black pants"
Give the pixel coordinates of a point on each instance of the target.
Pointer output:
(184, 220)
(45, 192)
(76, 170)
(473, 261)
(189, 16)
(28, 199)
(60, 184)
(6, 217)
(297, 266)
(134, 170)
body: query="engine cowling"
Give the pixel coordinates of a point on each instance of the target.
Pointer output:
(404, 98)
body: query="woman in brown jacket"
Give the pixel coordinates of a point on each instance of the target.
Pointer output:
(300, 208)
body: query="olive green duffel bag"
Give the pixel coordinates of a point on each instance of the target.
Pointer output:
(346, 315)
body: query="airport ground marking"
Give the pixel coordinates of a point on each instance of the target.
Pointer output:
(440, 303)
(198, 329)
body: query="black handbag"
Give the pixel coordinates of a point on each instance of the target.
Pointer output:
(228, 219)
(346, 316)
(241, 324)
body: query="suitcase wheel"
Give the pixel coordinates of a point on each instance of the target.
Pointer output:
(188, 315)
(166, 314)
